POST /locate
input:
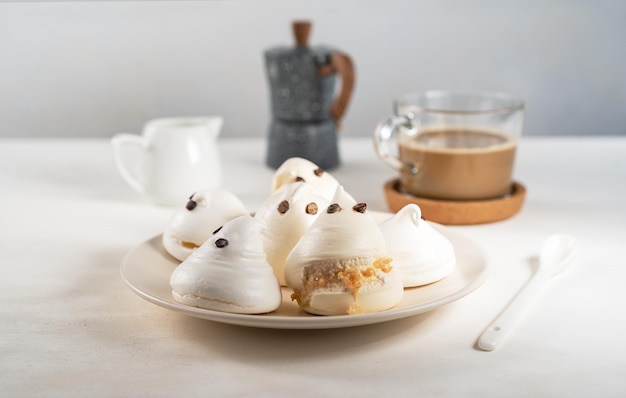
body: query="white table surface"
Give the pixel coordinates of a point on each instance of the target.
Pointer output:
(69, 326)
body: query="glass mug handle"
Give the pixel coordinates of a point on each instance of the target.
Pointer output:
(386, 130)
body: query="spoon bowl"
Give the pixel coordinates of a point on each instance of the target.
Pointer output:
(557, 253)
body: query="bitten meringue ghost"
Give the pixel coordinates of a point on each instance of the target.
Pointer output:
(287, 214)
(299, 169)
(421, 254)
(192, 225)
(229, 272)
(340, 266)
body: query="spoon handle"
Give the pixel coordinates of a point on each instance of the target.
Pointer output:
(500, 328)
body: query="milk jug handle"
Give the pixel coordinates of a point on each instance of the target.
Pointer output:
(119, 142)
(342, 64)
(385, 132)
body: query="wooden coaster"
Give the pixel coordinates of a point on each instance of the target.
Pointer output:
(450, 212)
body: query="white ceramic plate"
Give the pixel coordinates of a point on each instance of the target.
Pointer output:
(147, 268)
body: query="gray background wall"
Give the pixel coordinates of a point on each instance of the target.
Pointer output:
(97, 68)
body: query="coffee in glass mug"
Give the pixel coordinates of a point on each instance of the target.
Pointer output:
(452, 145)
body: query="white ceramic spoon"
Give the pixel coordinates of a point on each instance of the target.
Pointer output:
(557, 251)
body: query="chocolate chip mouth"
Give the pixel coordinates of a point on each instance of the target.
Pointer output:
(221, 243)
(333, 208)
(283, 207)
(311, 208)
(360, 207)
(191, 205)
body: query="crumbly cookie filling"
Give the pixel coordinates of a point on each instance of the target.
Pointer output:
(342, 275)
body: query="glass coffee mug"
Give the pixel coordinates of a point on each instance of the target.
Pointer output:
(452, 145)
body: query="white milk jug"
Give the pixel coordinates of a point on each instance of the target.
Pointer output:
(172, 158)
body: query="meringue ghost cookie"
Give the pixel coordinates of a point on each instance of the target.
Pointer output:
(421, 254)
(229, 272)
(339, 266)
(299, 169)
(192, 225)
(287, 214)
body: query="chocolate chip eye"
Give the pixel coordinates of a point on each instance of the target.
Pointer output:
(311, 208)
(318, 172)
(334, 208)
(191, 205)
(221, 242)
(360, 207)
(283, 207)
(299, 179)
(218, 230)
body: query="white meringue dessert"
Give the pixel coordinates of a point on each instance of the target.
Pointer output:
(420, 253)
(192, 225)
(299, 169)
(339, 266)
(229, 272)
(287, 214)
